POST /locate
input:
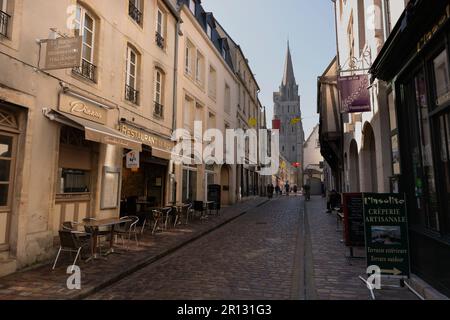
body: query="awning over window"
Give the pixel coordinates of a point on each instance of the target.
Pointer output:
(94, 131)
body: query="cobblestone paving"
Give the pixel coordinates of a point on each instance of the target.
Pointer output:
(250, 258)
(336, 277)
(42, 283)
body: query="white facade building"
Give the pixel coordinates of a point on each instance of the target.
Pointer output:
(362, 28)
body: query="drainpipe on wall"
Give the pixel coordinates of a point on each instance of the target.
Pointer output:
(175, 105)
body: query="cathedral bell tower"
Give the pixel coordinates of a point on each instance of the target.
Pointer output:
(287, 111)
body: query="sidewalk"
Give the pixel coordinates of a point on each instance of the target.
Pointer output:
(42, 283)
(334, 277)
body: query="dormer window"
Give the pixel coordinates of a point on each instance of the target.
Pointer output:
(224, 51)
(192, 6)
(209, 31)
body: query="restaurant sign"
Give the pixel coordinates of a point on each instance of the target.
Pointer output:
(353, 219)
(82, 109)
(434, 29)
(147, 138)
(386, 233)
(63, 53)
(354, 93)
(133, 160)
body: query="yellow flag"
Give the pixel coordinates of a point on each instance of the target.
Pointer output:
(252, 122)
(283, 165)
(296, 120)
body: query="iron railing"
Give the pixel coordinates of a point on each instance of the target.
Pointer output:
(159, 40)
(134, 12)
(86, 70)
(4, 20)
(159, 110)
(131, 94)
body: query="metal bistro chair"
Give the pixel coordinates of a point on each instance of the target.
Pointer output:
(92, 230)
(83, 237)
(168, 214)
(199, 206)
(128, 228)
(176, 216)
(189, 211)
(214, 206)
(157, 216)
(69, 243)
(180, 212)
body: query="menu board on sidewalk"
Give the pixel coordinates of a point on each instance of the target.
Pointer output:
(353, 219)
(386, 229)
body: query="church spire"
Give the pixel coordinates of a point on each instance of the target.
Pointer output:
(288, 77)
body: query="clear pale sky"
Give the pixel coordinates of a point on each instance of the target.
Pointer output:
(262, 27)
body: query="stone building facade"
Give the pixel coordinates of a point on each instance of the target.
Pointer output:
(68, 135)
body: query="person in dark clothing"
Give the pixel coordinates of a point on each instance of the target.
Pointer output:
(307, 190)
(277, 190)
(295, 190)
(270, 189)
(334, 200)
(288, 188)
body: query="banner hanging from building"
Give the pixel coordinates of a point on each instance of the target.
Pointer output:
(354, 93)
(276, 124)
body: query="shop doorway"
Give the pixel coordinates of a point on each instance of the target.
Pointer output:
(354, 167)
(8, 153)
(369, 160)
(144, 185)
(225, 182)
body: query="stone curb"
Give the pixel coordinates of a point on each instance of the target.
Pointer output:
(148, 261)
(424, 289)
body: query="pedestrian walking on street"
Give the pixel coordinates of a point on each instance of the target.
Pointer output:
(307, 191)
(270, 189)
(295, 190)
(288, 188)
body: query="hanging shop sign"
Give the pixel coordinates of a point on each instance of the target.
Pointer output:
(133, 160)
(353, 219)
(82, 109)
(354, 93)
(386, 233)
(63, 53)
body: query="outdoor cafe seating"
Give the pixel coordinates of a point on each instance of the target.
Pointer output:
(73, 240)
(93, 235)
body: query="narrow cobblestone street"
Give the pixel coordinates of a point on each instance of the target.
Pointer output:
(265, 254)
(250, 258)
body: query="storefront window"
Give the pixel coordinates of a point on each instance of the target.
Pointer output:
(73, 181)
(189, 185)
(6, 143)
(423, 159)
(441, 75)
(444, 126)
(395, 155)
(394, 135)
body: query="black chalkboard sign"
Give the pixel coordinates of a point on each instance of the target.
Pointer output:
(353, 220)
